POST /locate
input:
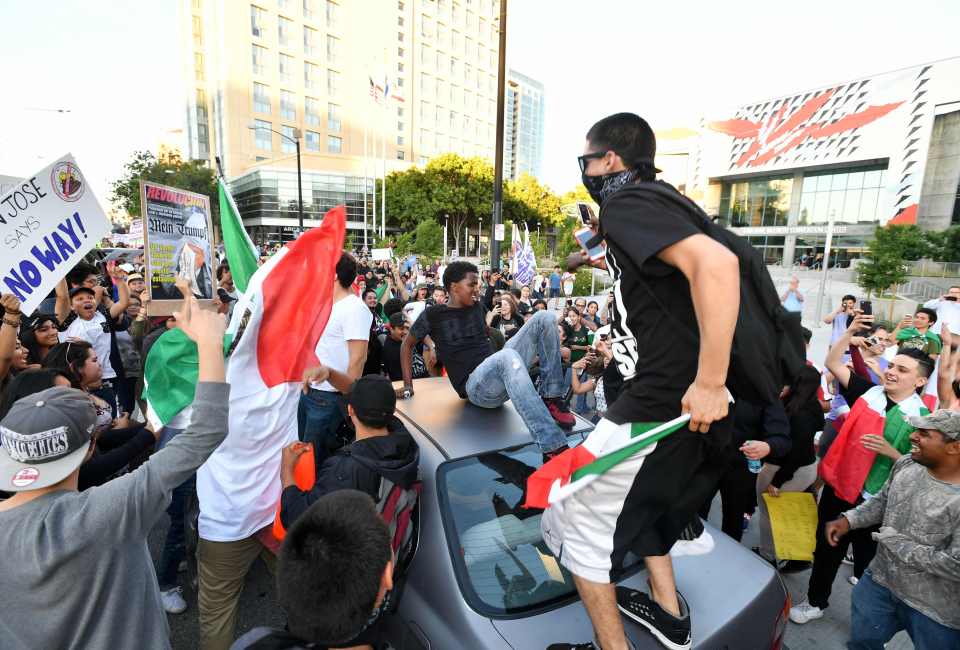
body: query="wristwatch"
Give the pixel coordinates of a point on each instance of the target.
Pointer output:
(407, 392)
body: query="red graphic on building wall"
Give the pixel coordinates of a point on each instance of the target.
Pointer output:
(781, 132)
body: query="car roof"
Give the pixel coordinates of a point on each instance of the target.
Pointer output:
(458, 428)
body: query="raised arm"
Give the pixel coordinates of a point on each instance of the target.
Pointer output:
(62, 308)
(119, 277)
(835, 363)
(713, 273)
(8, 331)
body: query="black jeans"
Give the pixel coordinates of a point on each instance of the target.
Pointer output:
(826, 558)
(738, 494)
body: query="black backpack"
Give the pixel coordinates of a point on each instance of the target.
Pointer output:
(768, 346)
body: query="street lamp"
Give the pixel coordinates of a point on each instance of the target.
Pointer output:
(296, 141)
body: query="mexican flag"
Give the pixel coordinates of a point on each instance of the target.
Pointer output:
(241, 253)
(606, 446)
(848, 467)
(272, 337)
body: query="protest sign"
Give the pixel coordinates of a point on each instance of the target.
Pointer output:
(378, 254)
(793, 522)
(178, 244)
(48, 222)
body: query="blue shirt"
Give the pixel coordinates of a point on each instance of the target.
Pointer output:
(792, 303)
(555, 281)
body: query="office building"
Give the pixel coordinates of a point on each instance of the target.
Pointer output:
(523, 126)
(320, 71)
(853, 155)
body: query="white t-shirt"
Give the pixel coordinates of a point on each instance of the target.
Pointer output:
(94, 332)
(350, 320)
(947, 312)
(568, 279)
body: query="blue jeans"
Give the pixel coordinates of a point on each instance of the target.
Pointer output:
(877, 615)
(319, 415)
(580, 403)
(504, 376)
(174, 546)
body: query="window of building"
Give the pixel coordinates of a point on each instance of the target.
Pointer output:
(288, 142)
(197, 5)
(441, 90)
(401, 154)
(283, 4)
(442, 36)
(263, 138)
(759, 202)
(399, 111)
(424, 111)
(288, 106)
(399, 21)
(333, 49)
(201, 105)
(454, 95)
(399, 140)
(400, 6)
(333, 82)
(400, 52)
(425, 85)
(261, 98)
(468, 73)
(455, 14)
(333, 118)
(400, 126)
(197, 32)
(286, 67)
(399, 66)
(426, 27)
(257, 18)
(453, 121)
(312, 141)
(259, 60)
(311, 75)
(849, 196)
(203, 140)
(399, 82)
(198, 66)
(284, 31)
(311, 111)
(400, 37)
(455, 41)
(454, 66)
(333, 14)
(310, 41)
(334, 144)
(425, 55)
(422, 160)
(309, 10)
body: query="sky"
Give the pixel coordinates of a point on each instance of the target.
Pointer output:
(112, 64)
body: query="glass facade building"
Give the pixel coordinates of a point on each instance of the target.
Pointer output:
(523, 126)
(267, 199)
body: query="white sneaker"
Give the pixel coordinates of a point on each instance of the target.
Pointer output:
(173, 602)
(853, 580)
(804, 613)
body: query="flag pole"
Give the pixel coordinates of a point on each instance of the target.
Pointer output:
(365, 178)
(383, 182)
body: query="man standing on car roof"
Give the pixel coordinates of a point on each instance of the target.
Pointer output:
(676, 299)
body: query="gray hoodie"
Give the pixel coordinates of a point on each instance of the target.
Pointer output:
(76, 571)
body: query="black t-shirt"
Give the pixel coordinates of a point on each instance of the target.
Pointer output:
(507, 326)
(461, 338)
(652, 309)
(390, 358)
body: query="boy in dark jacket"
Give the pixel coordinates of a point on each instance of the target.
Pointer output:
(383, 449)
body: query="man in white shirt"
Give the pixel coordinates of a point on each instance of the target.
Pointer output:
(341, 351)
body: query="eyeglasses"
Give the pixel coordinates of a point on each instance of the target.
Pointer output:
(585, 159)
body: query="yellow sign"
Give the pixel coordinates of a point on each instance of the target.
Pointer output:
(793, 520)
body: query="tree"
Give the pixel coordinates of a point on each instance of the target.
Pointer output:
(459, 192)
(169, 169)
(884, 266)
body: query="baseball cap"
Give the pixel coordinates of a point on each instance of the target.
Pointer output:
(77, 290)
(944, 421)
(45, 437)
(373, 399)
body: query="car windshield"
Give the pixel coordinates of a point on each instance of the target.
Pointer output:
(505, 567)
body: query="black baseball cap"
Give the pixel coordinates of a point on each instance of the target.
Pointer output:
(373, 399)
(77, 290)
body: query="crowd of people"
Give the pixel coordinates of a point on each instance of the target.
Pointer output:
(85, 479)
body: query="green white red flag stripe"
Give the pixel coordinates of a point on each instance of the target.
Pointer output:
(241, 253)
(604, 448)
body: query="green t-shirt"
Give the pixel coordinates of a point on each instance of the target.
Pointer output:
(911, 339)
(577, 337)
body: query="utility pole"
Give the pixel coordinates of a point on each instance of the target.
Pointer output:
(498, 169)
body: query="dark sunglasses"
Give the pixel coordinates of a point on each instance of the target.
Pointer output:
(585, 159)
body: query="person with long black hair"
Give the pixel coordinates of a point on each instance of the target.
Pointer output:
(38, 335)
(797, 470)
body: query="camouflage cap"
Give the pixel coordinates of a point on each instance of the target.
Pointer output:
(944, 421)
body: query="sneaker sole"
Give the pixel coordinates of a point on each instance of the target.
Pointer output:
(806, 619)
(664, 641)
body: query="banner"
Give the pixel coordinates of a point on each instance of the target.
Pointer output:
(178, 244)
(48, 222)
(378, 254)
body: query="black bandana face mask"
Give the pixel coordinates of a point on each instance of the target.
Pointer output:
(603, 187)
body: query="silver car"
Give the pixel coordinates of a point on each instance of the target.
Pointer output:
(482, 577)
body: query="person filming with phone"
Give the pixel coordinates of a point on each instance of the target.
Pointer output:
(914, 333)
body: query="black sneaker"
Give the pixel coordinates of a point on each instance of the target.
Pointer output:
(572, 646)
(670, 631)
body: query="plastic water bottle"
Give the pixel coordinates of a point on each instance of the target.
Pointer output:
(753, 465)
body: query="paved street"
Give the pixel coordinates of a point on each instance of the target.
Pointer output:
(258, 607)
